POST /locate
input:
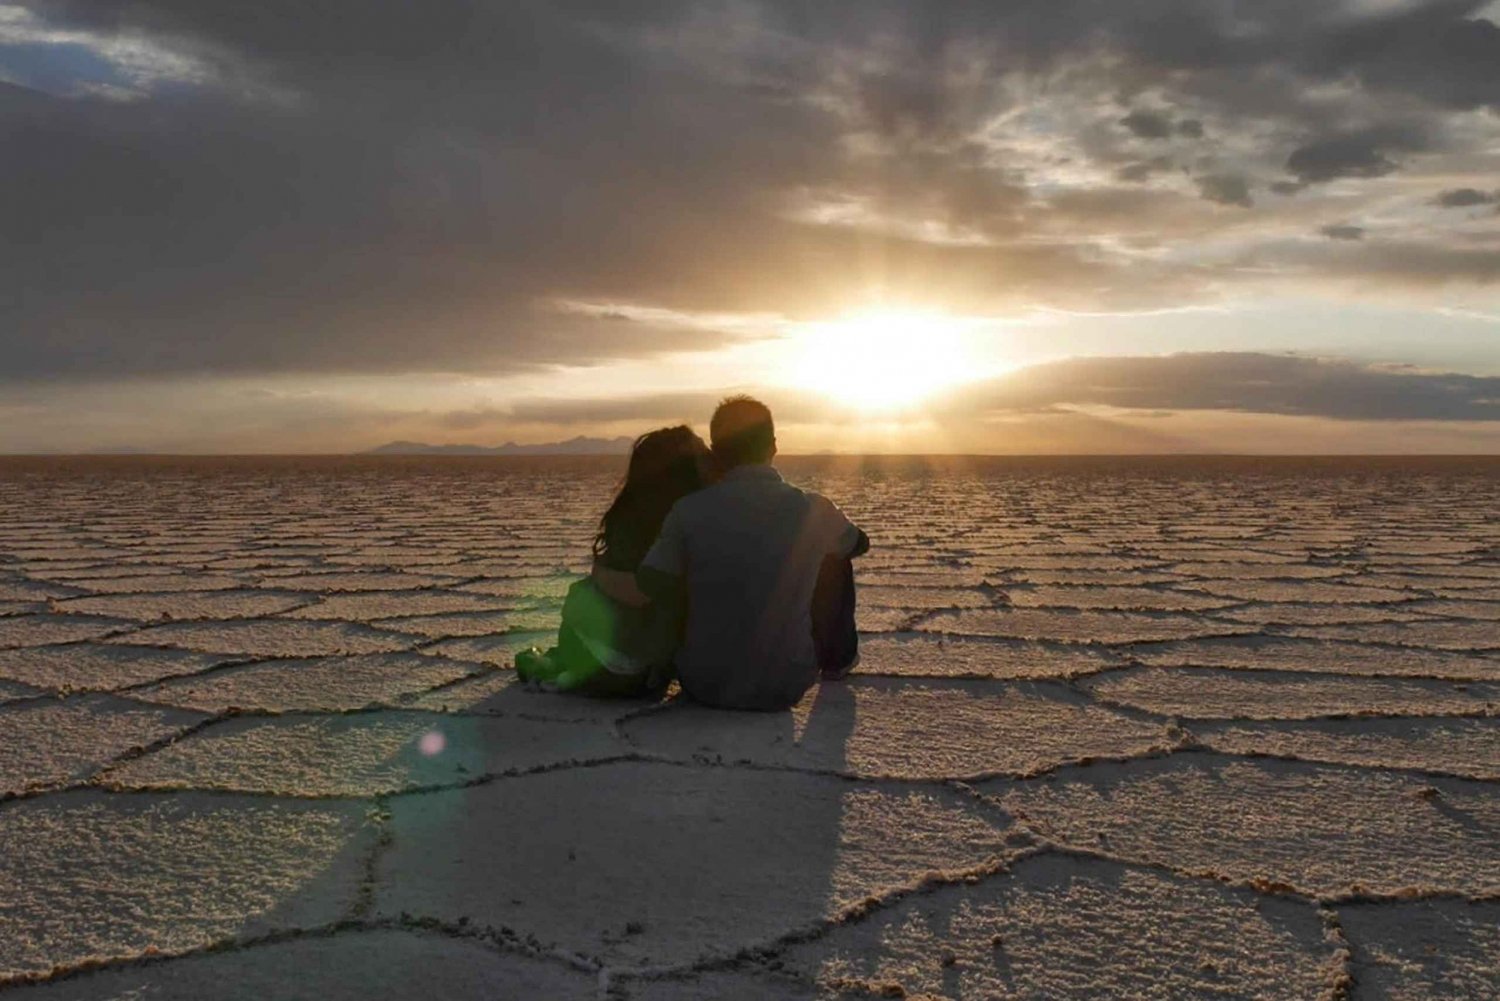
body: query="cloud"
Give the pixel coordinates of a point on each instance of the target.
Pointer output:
(1226, 189)
(1359, 155)
(1462, 198)
(382, 186)
(1242, 382)
(1343, 231)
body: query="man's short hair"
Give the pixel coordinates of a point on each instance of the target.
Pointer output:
(741, 432)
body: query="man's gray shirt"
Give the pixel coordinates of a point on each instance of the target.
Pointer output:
(749, 550)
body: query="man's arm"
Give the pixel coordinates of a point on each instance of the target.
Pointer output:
(842, 537)
(661, 573)
(861, 544)
(619, 585)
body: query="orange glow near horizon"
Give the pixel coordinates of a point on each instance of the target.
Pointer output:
(885, 360)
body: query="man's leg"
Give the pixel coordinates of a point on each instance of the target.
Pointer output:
(835, 637)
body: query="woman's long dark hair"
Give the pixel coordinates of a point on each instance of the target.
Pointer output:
(665, 465)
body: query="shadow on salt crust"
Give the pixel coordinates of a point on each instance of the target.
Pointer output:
(45, 743)
(271, 638)
(1465, 747)
(501, 693)
(360, 755)
(1214, 693)
(91, 876)
(902, 729)
(495, 651)
(1069, 927)
(329, 683)
(1430, 950)
(638, 863)
(1324, 830)
(350, 966)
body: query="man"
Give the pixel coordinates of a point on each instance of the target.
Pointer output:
(765, 571)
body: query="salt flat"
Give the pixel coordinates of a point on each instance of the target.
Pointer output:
(1123, 728)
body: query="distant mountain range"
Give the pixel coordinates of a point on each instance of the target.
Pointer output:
(573, 446)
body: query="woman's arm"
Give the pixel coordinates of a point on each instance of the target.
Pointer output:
(619, 585)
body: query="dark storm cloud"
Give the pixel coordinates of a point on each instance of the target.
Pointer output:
(1343, 232)
(1226, 189)
(1359, 155)
(1244, 382)
(379, 185)
(1461, 198)
(1148, 124)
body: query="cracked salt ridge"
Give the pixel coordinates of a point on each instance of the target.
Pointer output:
(1462, 747)
(909, 599)
(1294, 653)
(1080, 627)
(360, 755)
(1215, 693)
(51, 742)
(21, 589)
(345, 963)
(344, 581)
(369, 606)
(1279, 614)
(270, 638)
(144, 607)
(111, 581)
(1054, 926)
(1304, 592)
(98, 666)
(332, 684)
(91, 876)
(18, 631)
(1136, 598)
(458, 624)
(908, 730)
(934, 654)
(1318, 830)
(1226, 570)
(1450, 608)
(1414, 950)
(1438, 634)
(578, 857)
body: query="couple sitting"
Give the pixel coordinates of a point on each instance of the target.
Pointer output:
(710, 566)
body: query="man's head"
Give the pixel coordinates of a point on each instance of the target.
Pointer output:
(741, 432)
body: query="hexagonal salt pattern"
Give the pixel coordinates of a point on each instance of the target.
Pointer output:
(324, 683)
(1134, 728)
(651, 863)
(359, 755)
(1465, 747)
(1431, 950)
(50, 742)
(90, 876)
(1065, 927)
(903, 729)
(1321, 829)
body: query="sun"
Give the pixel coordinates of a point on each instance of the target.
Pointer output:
(882, 360)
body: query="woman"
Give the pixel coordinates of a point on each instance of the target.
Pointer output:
(605, 647)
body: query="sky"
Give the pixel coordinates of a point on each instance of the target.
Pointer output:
(910, 225)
